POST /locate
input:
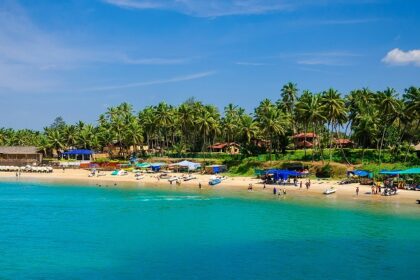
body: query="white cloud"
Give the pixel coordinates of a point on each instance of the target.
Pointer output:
(190, 77)
(208, 8)
(400, 57)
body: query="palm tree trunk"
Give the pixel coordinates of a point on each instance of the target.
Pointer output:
(381, 144)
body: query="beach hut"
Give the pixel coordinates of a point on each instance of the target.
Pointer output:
(185, 164)
(19, 155)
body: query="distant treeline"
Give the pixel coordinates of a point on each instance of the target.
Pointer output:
(374, 120)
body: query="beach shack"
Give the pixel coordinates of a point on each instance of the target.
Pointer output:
(186, 165)
(20, 155)
(215, 169)
(342, 142)
(228, 147)
(77, 154)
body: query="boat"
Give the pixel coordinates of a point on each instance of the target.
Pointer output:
(189, 177)
(214, 182)
(173, 179)
(330, 191)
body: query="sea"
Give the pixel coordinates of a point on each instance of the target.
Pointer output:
(68, 231)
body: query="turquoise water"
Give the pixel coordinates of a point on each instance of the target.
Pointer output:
(75, 232)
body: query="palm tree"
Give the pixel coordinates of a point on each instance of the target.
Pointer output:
(334, 111)
(288, 100)
(387, 102)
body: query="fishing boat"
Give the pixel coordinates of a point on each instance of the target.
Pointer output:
(189, 177)
(172, 179)
(215, 181)
(330, 191)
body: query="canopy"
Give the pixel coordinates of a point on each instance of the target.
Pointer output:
(415, 170)
(282, 173)
(390, 172)
(190, 165)
(78, 152)
(143, 165)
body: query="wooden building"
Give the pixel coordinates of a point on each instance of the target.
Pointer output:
(303, 140)
(20, 155)
(229, 148)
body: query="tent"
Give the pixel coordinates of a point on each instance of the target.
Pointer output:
(188, 164)
(157, 166)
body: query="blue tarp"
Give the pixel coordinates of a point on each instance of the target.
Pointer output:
(78, 152)
(156, 166)
(362, 173)
(282, 173)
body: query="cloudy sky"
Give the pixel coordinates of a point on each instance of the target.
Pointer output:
(74, 58)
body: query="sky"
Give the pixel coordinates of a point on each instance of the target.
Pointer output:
(75, 58)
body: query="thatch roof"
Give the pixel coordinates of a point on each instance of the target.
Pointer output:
(18, 150)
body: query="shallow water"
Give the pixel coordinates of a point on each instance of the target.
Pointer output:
(77, 232)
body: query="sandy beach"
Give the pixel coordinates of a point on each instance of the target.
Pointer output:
(231, 184)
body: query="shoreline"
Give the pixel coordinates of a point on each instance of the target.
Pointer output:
(233, 186)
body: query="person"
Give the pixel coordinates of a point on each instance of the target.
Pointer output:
(357, 191)
(264, 186)
(373, 190)
(274, 190)
(301, 184)
(17, 175)
(307, 185)
(250, 187)
(64, 169)
(284, 191)
(199, 185)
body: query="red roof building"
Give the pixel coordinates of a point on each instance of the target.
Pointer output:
(230, 148)
(305, 140)
(345, 143)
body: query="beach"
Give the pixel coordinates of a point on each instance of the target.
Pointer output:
(232, 185)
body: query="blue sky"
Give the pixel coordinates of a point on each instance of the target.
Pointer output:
(75, 58)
